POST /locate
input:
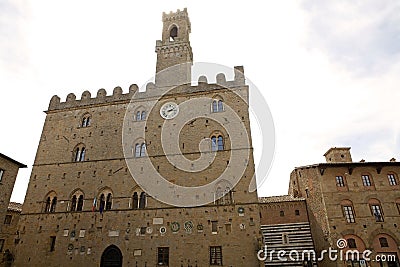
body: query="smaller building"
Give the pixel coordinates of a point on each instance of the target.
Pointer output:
(9, 212)
(285, 227)
(9, 237)
(353, 206)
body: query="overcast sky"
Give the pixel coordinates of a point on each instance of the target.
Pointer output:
(329, 70)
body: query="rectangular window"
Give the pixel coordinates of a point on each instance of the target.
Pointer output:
(383, 242)
(349, 214)
(7, 219)
(377, 212)
(52, 243)
(216, 255)
(163, 256)
(1, 174)
(214, 227)
(339, 181)
(1, 245)
(351, 243)
(366, 181)
(392, 179)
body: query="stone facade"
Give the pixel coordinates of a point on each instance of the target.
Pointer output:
(355, 201)
(10, 236)
(9, 212)
(84, 206)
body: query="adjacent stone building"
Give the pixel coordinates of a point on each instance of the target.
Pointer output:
(84, 205)
(285, 227)
(355, 201)
(8, 173)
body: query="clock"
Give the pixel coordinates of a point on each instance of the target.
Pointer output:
(169, 110)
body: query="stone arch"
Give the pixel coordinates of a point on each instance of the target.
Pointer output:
(173, 32)
(111, 257)
(384, 243)
(381, 231)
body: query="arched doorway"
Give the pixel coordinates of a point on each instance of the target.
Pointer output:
(111, 257)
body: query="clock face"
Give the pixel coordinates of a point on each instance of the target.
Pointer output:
(169, 110)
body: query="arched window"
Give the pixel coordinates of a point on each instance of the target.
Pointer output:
(140, 150)
(109, 201)
(220, 143)
(228, 196)
(53, 204)
(79, 153)
(73, 203)
(142, 201)
(50, 202)
(135, 201)
(376, 209)
(86, 120)
(214, 143)
(140, 115)
(217, 105)
(80, 203)
(76, 201)
(173, 33)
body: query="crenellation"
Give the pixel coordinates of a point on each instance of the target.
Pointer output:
(179, 14)
(101, 93)
(86, 95)
(118, 95)
(202, 79)
(221, 79)
(54, 102)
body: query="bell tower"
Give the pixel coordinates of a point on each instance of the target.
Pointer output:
(174, 53)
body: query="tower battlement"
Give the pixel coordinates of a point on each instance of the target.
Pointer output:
(151, 90)
(179, 14)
